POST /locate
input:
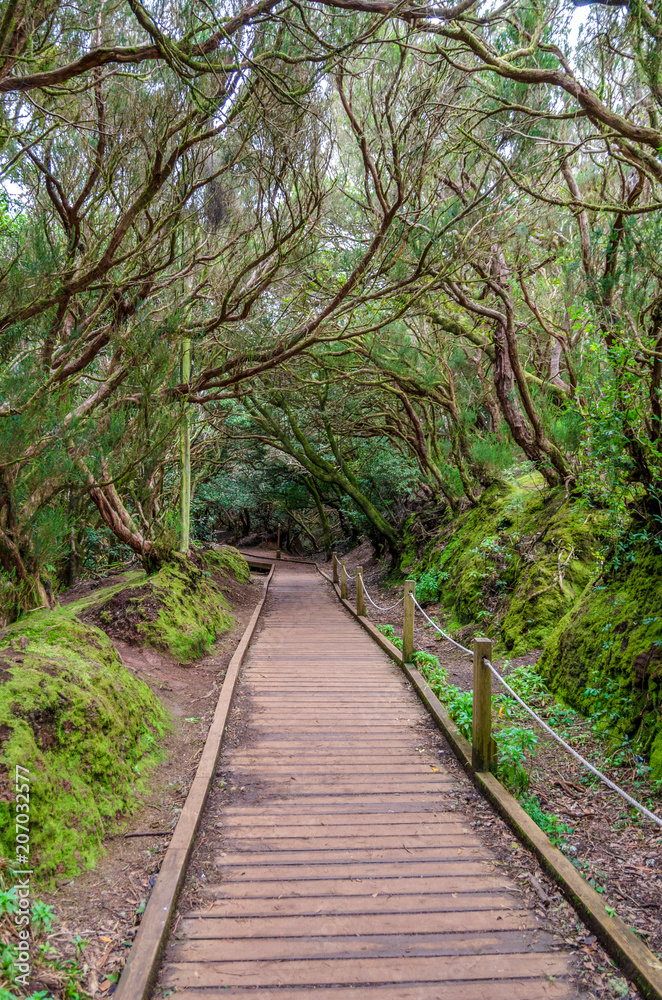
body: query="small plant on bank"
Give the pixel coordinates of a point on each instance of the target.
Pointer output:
(515, 746)
(428, 585)
(389, 632)
(529, 685)
(557, 831)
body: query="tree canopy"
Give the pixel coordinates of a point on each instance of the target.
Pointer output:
(330, 264)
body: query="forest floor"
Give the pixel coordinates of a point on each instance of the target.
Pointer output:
(616, 849)
(99, 910)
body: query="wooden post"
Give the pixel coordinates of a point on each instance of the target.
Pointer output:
(483, 756)
(343, 582)
(408, 622)
(335, 569)
(278, 544)
(360, 597)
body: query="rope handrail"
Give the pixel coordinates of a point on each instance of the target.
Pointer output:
(378, 606)
(440, 630)
(582, 760)
(548, 729)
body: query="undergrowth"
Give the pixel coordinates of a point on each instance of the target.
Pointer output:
(516, 744)
(51, 977)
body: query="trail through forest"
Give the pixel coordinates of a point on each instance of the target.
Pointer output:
(375, 279)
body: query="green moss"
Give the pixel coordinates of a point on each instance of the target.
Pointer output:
(192, 611)
(547, 585)
(514, 564)
(227, 559)
(605, 655)
(85, 728)
(179, 610)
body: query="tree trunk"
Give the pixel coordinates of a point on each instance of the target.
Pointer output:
(324, 521)
(185, 455)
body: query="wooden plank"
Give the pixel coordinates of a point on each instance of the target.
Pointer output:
(450, 825)
(341, 972)
(435, 796)
(140, 969)
(343, 787)
(321, 925)
(327, 768)
(332, 843)
(400, 808)
(366, 945)
(520, 989)
(352, 869)
(359, 887)
(437, 854)
(337, 819)
(375, 904)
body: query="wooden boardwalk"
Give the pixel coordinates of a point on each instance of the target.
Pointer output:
(346, 872)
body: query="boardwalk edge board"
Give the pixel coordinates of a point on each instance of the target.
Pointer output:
(143, 962)
(619, 941)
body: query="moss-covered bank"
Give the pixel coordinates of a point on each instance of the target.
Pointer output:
(513, 565)
(85, 728)
(525, 565)
(179, 610)
(605, 655)
(83, 725)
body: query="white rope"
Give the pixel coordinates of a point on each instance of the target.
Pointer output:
(440, 630)
(378, 606)
(582, 760)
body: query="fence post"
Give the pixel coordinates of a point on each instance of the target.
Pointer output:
(408, 622)
(278, 544)
(360, 598)
(483, 756)
(335, 568)
(343, 582)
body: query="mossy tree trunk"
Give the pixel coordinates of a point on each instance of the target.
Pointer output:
(324, 521)
(185, 454)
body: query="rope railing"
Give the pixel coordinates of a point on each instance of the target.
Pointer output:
(548, 729)
(378, 606)
(441, 631)
(571, 750)
(483, 746)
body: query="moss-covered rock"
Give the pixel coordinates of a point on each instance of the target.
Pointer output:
(605, 655)
(514, 564)
(190, 611)
(226, 559)
(179, 610)
(85, 728)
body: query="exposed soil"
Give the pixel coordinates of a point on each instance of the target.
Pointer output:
(616, 849)
(86, 587)
(121, 616)
(103, 906)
